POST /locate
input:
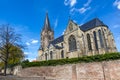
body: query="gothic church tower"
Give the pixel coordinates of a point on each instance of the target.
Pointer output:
(47, 34)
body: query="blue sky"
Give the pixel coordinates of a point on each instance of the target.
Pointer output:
(27, 17)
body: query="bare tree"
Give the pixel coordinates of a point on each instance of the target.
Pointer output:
(8, 39)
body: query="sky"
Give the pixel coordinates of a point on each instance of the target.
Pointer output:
(27, 17)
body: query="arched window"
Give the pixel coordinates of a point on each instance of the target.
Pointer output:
(62, 54)
(104, 30)
(83, 39)
(95, 40)
(72, 43)
(89, 42)
(105, 44)
(45, 56)
(101, 39)
(51, 55)
(62, 44)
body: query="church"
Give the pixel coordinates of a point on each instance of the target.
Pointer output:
(91, 38)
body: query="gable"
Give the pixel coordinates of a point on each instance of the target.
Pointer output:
(71, 26)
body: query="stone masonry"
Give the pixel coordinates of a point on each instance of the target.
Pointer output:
(91, 38)
(107, 70)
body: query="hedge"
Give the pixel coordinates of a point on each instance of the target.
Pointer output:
(86, 59)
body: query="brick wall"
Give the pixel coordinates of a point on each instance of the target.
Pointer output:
(108, 70)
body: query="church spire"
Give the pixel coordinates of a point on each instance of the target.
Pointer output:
(47, 23)
(47, 34)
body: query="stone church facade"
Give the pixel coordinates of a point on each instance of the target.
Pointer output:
(91, 38)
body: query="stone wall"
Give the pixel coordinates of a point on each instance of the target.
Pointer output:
(108, 70)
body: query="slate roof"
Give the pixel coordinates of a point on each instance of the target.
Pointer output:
(58, 47)
(85, 27)
(58, 40)
(92, 24)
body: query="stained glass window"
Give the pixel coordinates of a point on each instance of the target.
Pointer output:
(89, 42)
(72, 43)
(62, 54)
(95, 40)
(51, 55)
(101, 39)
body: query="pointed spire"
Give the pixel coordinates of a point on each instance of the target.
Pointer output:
(47, 23)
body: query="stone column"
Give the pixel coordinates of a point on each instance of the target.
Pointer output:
(83, 45)
(110, 42)
(107, 42)
(86, 45)
(113, 44)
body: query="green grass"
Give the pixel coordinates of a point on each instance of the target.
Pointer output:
(85, 59)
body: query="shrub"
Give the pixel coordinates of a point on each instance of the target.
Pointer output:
(95, 58)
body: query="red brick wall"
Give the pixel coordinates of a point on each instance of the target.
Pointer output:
(108, 70)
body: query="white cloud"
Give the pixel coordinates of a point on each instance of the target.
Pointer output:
(117, 4)
(116, 26)
(31, 59)
(70, 2)
(73, 9)
(34, 41)
(27, 43)
(89, 14)
(81, 10)
(63, 32)
(26, 53)
(66, 2)
(56, 23)
(88, 3)
(75, 21)
(31, 42)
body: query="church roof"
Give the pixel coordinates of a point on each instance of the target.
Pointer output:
(92, 24)
(58, 40)
(57, 47)
(47, 23)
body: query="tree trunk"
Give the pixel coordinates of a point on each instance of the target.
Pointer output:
(5, 64)
(5, 68)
